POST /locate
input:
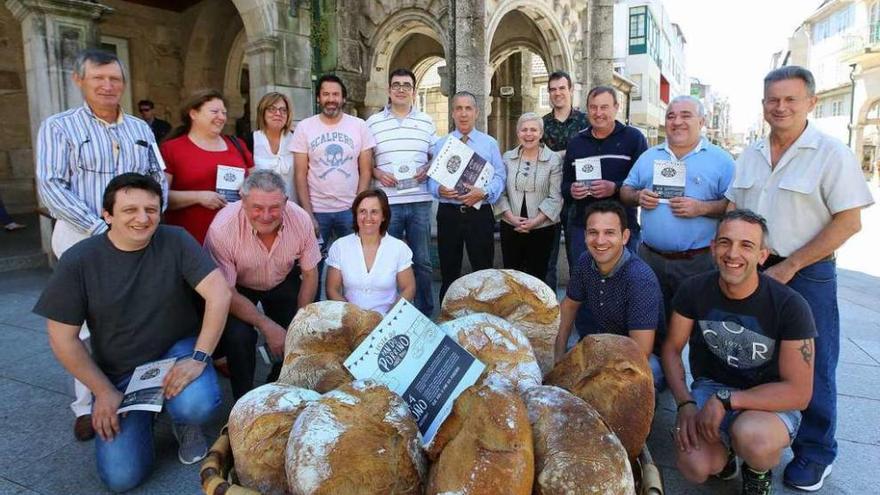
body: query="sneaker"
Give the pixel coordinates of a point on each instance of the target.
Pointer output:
(193, 447)
(731, 469)
(757, 483)
(82, 428)
(805, 475)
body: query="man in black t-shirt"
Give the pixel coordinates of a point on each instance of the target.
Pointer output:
(137, 287)
(751, 356)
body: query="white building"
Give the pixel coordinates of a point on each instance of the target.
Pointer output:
(840, 44)
(649, 50)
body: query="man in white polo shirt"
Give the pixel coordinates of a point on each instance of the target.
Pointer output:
(810, 189)
(404, 137)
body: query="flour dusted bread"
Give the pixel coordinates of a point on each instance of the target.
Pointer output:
(611, 374)
(484, 447)
(319, 339)
(504, 350)
(521, 299)
(359, 439)
(259, 425)
(575, 451)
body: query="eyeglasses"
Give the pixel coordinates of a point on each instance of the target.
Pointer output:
(401, 86)
(278, 110)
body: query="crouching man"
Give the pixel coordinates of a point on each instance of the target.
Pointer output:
(751, 356)
(137, 286)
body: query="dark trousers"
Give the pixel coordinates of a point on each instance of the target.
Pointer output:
(239, 340)
(460, 227)
(529, 253)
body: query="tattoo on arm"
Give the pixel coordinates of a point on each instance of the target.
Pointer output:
(806, 350)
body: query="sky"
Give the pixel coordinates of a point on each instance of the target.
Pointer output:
(729, 44)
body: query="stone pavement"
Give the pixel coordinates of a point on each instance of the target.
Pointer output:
(38, 453)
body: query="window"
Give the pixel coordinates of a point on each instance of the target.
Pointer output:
(636, 92)
(638, 23)
(819, 110)
(836, 108)
(543, 97)
(874, 26)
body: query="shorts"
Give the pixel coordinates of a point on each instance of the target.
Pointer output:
(703, 389)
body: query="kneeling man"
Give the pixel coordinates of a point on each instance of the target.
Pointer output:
(751, 356)
(137, 286)
(619, 288)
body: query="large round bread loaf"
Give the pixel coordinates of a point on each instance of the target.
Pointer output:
(319, 339)
(484, 447)
(359, 439)
(504, 350)
(521, 299)
(259, 425)
(611, 374)
(575, 451)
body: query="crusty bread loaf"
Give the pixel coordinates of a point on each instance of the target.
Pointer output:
(575, 451)
(359, 439)
(259, 425)
(319, 339)
(521, 299)
(504, 350)
(484, 447)
(611, 374)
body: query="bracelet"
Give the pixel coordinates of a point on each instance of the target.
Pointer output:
(682, 404)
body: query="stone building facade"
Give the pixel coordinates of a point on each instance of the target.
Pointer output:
(249, 47)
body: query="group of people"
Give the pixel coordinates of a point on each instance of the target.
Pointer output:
(330, 191)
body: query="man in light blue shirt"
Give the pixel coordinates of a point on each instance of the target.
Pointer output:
(459, 224)
(676, 232)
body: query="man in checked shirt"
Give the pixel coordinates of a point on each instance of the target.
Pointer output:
(78, 152)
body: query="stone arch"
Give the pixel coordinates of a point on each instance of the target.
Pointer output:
(259, 17)
(235, 63)
(867, 137)
(401, 31)
(206, 57)
(550, 44)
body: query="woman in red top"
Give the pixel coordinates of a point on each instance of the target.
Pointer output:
(193, 154)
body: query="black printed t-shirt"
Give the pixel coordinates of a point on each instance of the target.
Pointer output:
(137, 303)
(736, 342)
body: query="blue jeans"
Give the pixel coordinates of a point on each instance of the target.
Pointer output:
(817, 283)
(702, 389)
(332, 226)
(126, 461)
(413, 220)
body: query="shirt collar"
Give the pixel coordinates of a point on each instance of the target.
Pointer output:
(544, 153)
(389, 113)
(701, 145)
(809, 138)
(622, 261)
(120, 115)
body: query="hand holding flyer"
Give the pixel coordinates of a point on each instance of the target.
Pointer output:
(669, 179)
(587, 169)
(229, 181)
(144, 391)
(456, 165)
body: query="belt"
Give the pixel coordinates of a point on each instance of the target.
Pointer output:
(774, 259)
(460, 208)
(678, 255)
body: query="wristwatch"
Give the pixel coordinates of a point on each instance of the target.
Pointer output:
(200, 356)
(724, 396)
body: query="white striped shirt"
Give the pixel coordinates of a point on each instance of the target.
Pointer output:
(402, 140)
(77, 156)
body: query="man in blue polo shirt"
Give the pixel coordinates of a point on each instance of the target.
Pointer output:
(678, 228)
(619, 289)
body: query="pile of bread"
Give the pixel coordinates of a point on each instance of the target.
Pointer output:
(525, 427)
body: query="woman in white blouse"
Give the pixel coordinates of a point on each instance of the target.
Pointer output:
(369, 268)
(272, 138)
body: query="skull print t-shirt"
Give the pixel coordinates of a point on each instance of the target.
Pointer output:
(736, 342)
(333, 159)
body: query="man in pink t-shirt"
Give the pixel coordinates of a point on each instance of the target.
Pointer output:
(332, 161)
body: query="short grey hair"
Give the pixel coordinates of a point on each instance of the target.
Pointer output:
(701, 110)
(97, 57)
(264, 180)
(465, 94)
(791, 72)
(530, 117)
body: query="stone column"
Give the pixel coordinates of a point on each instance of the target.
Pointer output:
(601, 40)
(54, 32)
(469, 58)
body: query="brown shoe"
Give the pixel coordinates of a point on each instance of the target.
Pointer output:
(82, 428)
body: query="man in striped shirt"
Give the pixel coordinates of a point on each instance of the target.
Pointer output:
(78, 152)
(404, 137)
(266, 248)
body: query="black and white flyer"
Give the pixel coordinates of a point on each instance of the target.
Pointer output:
(229, 181)
(144, 391)
(669, 179)
(457, 165)
(414, 358)
(588, 169)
